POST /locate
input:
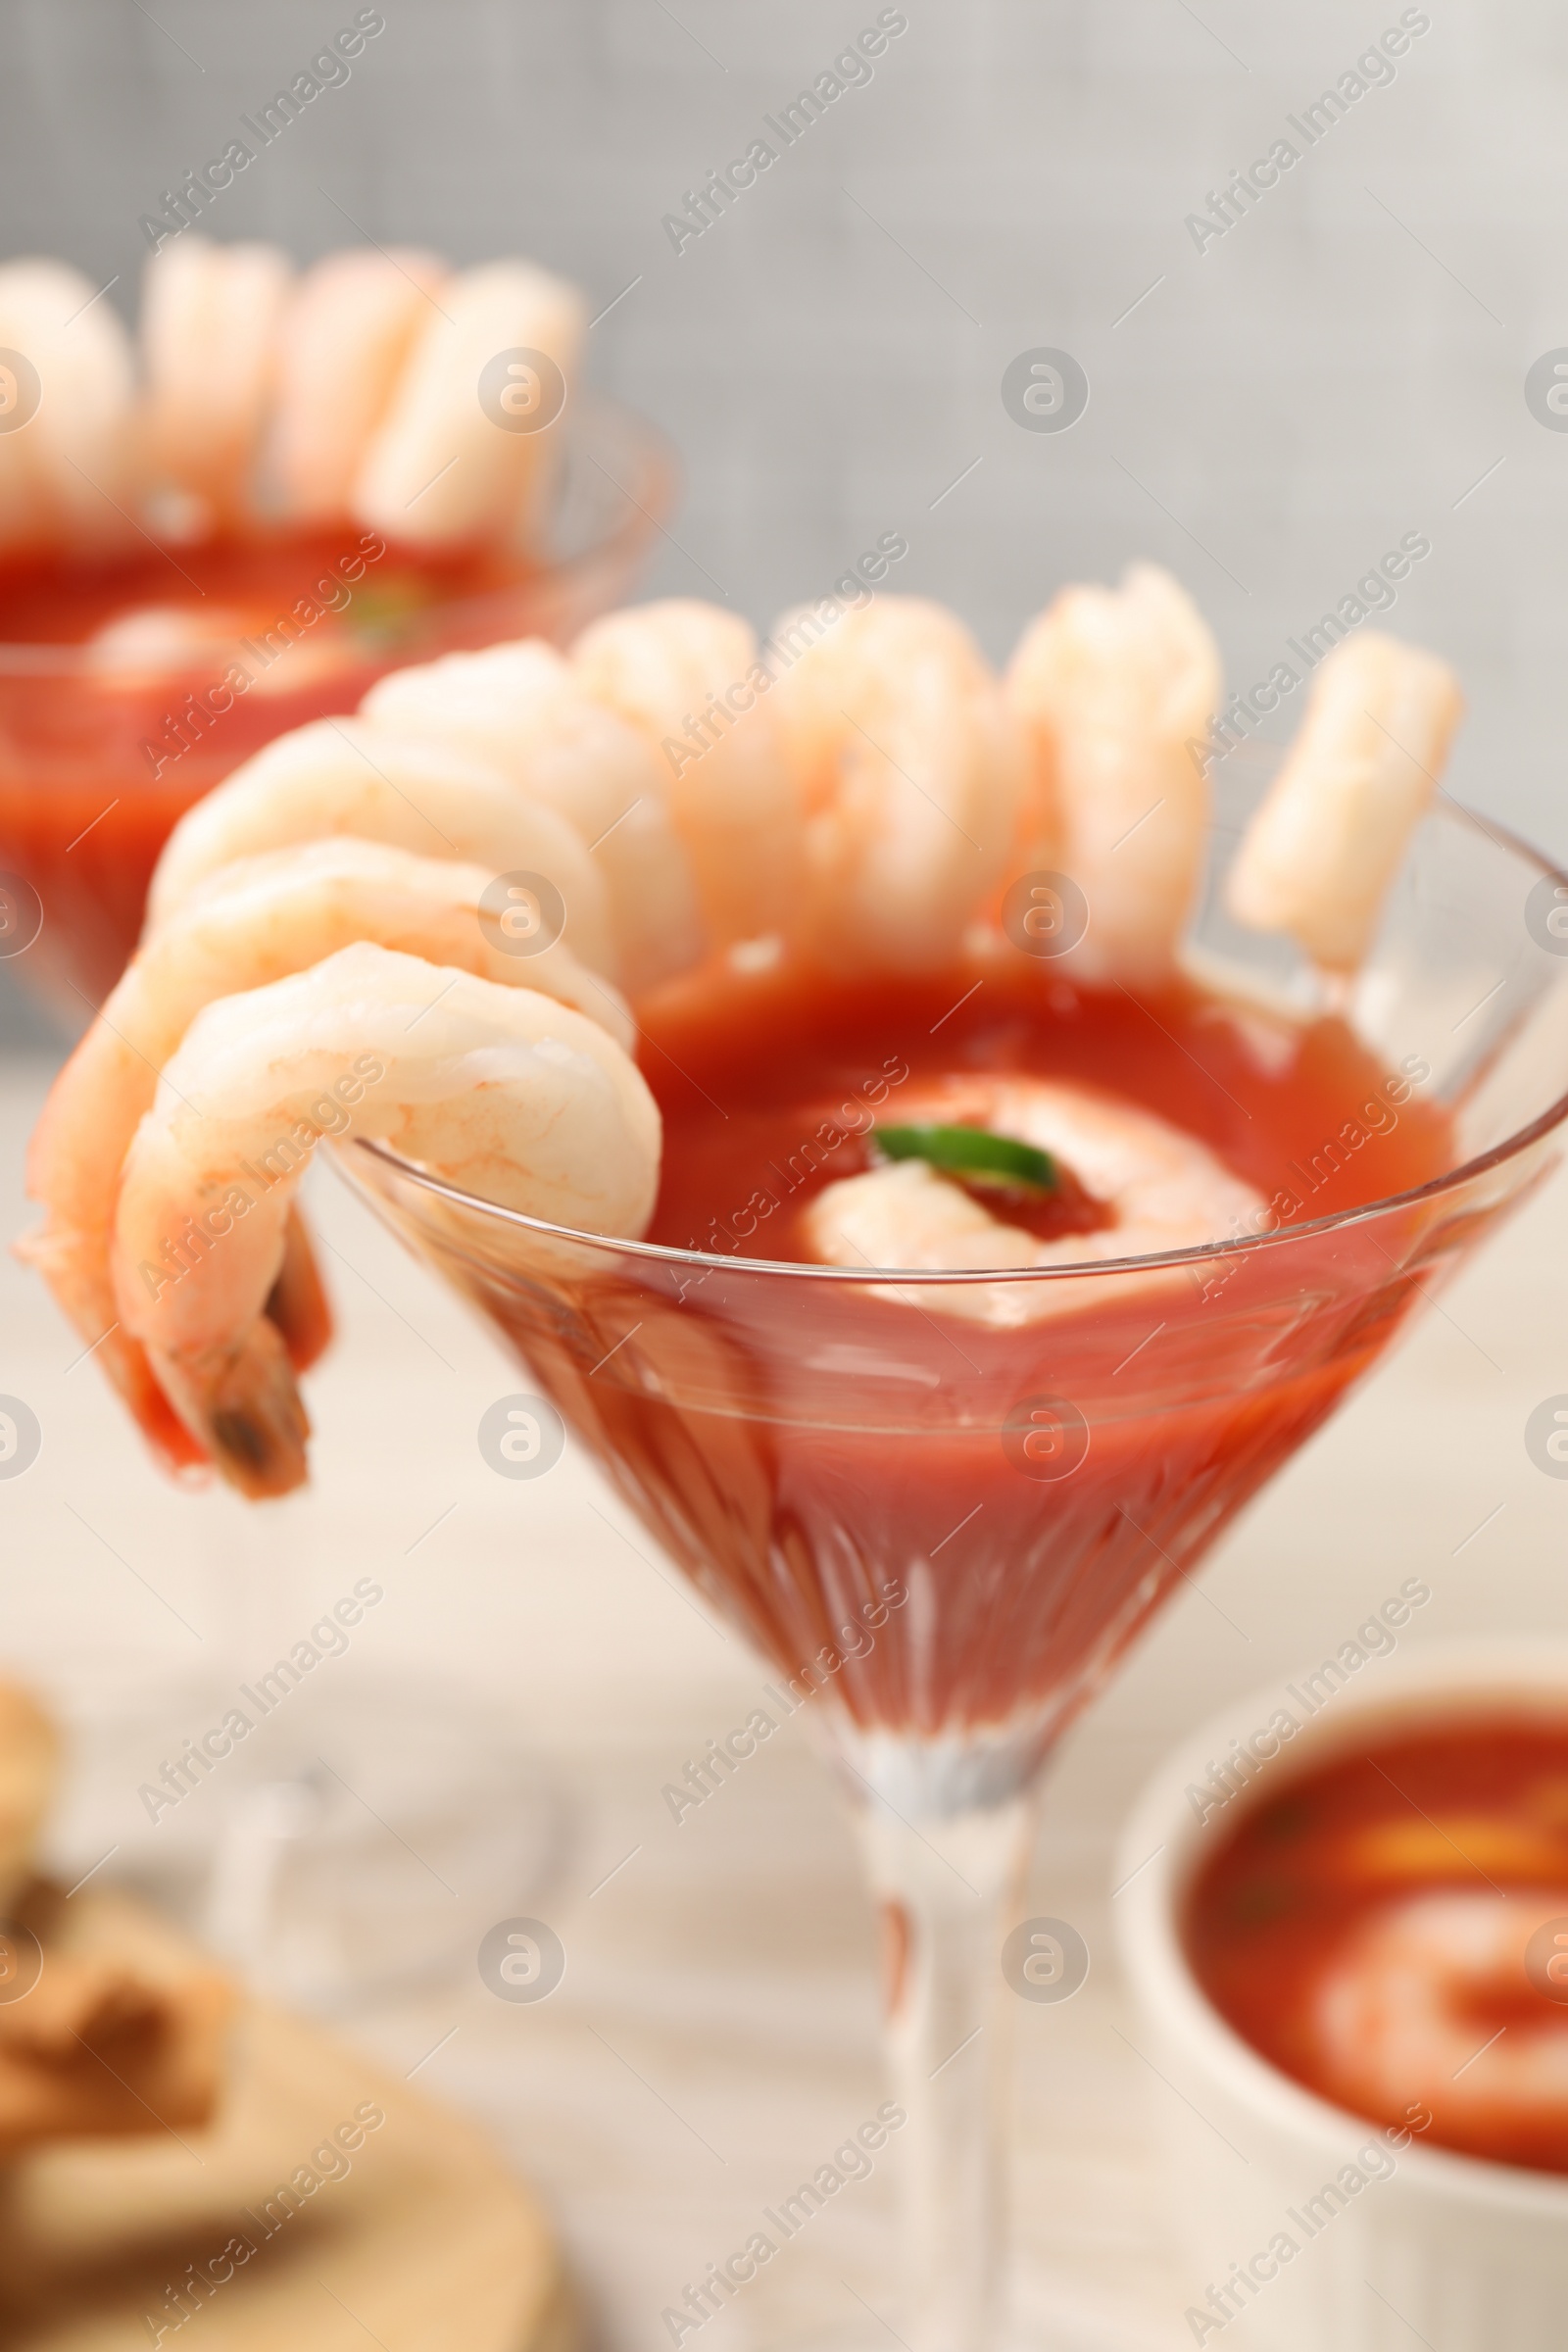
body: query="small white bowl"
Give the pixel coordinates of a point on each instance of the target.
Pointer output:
(1444, 2250)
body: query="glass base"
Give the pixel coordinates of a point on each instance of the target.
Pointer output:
(360, 1841)
(974, 1771)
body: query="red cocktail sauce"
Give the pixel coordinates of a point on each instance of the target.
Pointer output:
(99, 755)
(752, 1073)
(1027, 1488)
(1392, 1930)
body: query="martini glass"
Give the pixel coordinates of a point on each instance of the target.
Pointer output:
(949, 1501)
(84, 811)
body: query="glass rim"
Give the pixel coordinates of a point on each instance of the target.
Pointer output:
(648, 500)
(710, 1261)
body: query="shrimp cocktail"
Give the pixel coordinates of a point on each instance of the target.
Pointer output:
(295, 482)
(935, 1179)
(1348, 1934)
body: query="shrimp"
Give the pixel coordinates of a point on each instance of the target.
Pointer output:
(209, 332)
(62, 469)
(345, 775)
(1164, 1189)
(688, 678)
(910, 767)
(246, 926)
(498, 1091)
(1111, 686)
(522, 710)
(1319, 855)
(343, 342)
(144, 647)
(1402, 2012)
(439, 467)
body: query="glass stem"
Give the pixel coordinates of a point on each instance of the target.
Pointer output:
(944, 1884)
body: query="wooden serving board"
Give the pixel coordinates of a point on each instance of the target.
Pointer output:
(409, 2233)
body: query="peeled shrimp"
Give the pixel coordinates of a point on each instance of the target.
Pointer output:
(1164, 1191)
(209, 327)
(1401, 2014)
(498, 1091)
(346, 775)
(343, 341)
(1319, 855)
(63, 471)
(911, 768)
(1111, 686)
(246, 926)
(688, 678)
(438, 466)
(522, 710)
(381, 388)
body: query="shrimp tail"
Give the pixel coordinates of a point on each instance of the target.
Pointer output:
(65, 1256)
(299, 1315)
(298, 1304)
(502, 1086)
(242, 1406)
(172, 1444)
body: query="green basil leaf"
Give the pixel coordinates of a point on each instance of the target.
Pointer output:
(972, 1152)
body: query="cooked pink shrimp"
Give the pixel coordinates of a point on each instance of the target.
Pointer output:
(246, 926)
(689, 676)
(343, 342)
(1163, 1187)
(1401, 2014)
(209, 331)
(500, 1091)
(522, 710)
(1319, 855)
(439, 467)
(346, 775)
(62, 469)
(1111, 687)
(911, 768)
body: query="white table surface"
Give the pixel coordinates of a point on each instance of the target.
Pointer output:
(716, 2035)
